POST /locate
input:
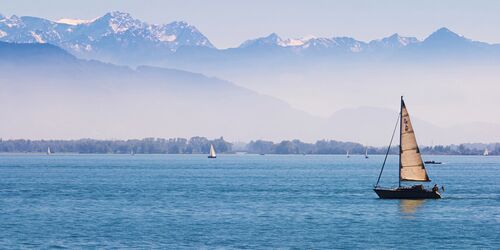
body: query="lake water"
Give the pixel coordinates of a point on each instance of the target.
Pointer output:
(241, 201)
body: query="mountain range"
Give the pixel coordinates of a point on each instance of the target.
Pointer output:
(106, 37)
(119, 38)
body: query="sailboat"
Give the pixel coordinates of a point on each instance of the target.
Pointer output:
(212, 152)
(411, 166)
(48, 151)
(366, 153)
(486, 153)
(347, 154)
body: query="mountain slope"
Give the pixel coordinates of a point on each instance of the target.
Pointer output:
(75, 98)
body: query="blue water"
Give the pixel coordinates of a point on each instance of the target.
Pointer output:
(240, 201)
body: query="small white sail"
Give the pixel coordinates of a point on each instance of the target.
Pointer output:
(348, 154)
(212, 152)
(366, 153)
(411, 165)
(48, 151)
(486, 153)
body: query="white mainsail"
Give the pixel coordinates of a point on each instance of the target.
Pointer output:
(411, 166)
(486, 153)
(48, 151)
(212, 151)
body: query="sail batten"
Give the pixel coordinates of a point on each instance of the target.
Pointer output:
(411, 166)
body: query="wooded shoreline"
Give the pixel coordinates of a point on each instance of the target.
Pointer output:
(201, 145)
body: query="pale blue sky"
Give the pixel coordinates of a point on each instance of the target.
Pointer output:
(227, 23)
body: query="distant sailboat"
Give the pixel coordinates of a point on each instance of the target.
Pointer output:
(366, 153)
(411, 166)
(486, 153)
(48, 151)
(212, 152)
(347, 154)
(132, 152)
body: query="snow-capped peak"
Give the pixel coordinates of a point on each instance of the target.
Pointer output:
(118, 21)
(73, 21)
(293, 42)
(394, 41)
(274, 39)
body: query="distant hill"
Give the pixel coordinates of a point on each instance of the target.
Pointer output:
(59, 96)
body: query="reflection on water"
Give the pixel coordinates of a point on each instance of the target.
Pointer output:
(409, 207)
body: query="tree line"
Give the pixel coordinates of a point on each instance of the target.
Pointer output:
(194, 145)
(338, 147)
(201, 145)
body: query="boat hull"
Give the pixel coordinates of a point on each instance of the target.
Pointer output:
(212, 157)
(406, 193)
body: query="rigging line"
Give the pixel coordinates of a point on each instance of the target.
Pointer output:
(388, 149)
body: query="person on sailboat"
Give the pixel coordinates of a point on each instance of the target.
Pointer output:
(435, 188)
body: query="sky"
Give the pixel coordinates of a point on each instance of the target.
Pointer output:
(227, 23)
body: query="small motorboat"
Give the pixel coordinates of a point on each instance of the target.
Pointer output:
(433, 162)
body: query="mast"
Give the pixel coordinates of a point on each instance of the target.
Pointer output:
(400, 138)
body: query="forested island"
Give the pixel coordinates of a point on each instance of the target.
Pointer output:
(201, 145)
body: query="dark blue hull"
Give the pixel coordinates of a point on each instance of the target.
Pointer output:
(406, 193)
